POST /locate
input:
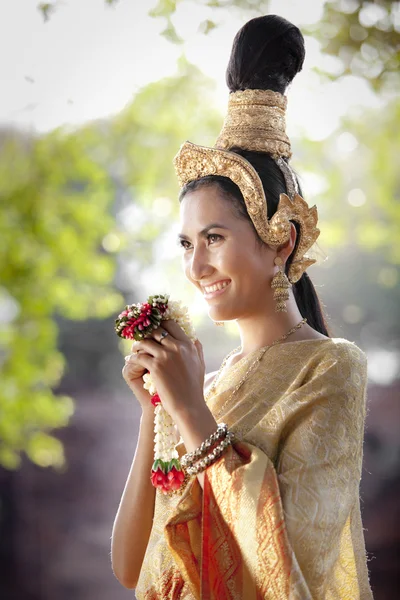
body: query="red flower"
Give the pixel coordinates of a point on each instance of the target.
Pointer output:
(175, 478)
(158, 478)
(145, 319)
(167, 482)
(155, 400)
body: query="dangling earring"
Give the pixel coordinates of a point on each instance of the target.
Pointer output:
(219, 323)
(280, 283)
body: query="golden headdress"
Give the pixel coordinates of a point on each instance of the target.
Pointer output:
(256, 122)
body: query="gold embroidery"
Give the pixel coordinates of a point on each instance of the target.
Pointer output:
(256, 121)
(193, 162)
(301, 418)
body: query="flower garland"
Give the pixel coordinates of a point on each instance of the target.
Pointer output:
(136, 322)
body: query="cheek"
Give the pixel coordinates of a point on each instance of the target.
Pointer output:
(244, 260)
(252, 267)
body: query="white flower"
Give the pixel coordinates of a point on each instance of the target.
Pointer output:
(149, 384)
(166, 433)
(179, 313)
(166, 436)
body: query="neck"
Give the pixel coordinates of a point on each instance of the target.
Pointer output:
(265, 327)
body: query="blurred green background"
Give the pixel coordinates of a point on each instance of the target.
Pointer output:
(88, 218)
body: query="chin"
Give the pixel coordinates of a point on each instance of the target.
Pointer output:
(221, 315)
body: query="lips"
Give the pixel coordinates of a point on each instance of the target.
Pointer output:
(216, 289)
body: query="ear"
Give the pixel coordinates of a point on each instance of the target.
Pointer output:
(286, 249)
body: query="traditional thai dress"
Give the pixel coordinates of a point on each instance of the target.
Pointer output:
(279, 515)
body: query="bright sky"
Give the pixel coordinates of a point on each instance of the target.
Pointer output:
(89, 59)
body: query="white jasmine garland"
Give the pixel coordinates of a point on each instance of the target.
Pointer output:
(137, 321)
(166, 436)
(149, 384)
(179, 313)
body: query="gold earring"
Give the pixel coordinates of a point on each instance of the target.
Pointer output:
(219, 323)
(280, 283)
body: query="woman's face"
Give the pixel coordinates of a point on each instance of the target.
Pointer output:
(222, 257)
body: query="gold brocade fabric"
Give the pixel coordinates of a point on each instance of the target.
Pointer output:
(279, 516)
(256, 120)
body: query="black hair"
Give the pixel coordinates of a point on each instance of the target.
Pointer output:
(267, 53)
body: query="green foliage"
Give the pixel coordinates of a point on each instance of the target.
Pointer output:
(170, 33)
(363, 183)
(56, 218)
(164, 8)
(143, 140)
(207, 26)
(363, 34)
(365, 37)
(359, 218)
(151, 129)
(46, 8)
(167, 8)
(54, 213)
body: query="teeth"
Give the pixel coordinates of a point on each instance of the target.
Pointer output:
(217, 286)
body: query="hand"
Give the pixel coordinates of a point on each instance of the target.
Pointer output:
(133, 373)
(176, 365)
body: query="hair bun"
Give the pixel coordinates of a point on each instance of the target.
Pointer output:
(267, 53)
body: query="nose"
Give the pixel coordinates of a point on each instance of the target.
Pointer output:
(199, 264)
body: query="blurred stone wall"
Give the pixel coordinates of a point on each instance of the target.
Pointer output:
(55, 529)
(59, 525)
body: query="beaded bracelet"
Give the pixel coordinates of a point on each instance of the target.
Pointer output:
(212, 457)
(189, 458)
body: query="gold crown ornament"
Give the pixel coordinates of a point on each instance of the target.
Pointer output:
(255, 122)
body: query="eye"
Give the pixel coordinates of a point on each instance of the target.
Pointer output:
(211, 238)
(184, 244)
(215, 236)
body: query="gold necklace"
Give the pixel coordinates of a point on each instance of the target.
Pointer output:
(249, 370)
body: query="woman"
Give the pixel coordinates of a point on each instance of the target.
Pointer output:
(277, 515)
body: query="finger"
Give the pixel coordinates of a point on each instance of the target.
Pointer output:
(199, 349)
(131, 364)
(160, 335)
(131, 357)
(144, 360)
(175, 330)
(150, 346)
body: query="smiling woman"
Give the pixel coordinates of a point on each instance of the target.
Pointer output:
(233, 261)
(271, 507)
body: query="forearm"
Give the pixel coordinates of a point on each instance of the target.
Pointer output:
(134, 519)
(195, 426)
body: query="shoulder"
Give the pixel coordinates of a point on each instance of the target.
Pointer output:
(336, 355)
(340, 362)
(347, 352)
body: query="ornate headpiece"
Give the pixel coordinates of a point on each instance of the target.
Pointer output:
(256, 122)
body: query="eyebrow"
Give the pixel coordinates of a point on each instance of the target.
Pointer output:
(203, 232)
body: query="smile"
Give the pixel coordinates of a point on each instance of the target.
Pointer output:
(215, 290)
